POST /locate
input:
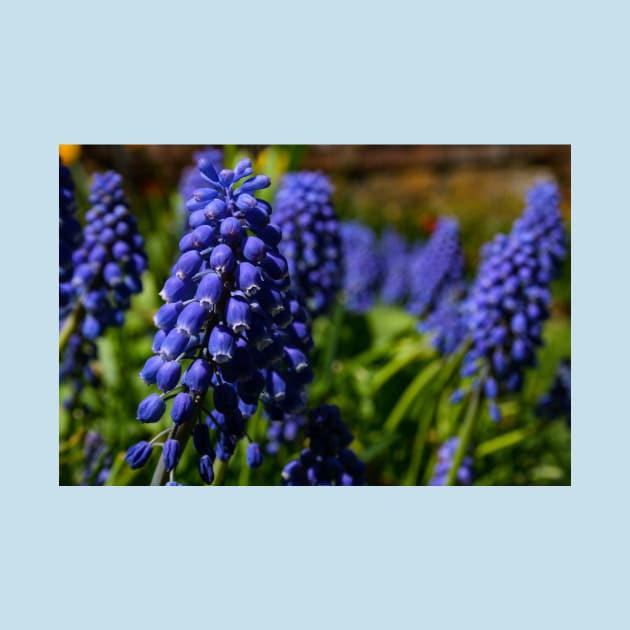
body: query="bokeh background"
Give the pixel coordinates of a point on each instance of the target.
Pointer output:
(406, 187)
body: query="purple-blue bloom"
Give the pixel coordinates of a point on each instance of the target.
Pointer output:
(439, 265)
(110, 260)
(444, 463)
(437, 286)
(394, 254)
(362, 266)
(510, 298)
(230, 323)
(310, 238)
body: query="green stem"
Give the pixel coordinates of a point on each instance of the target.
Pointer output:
(465, 434)
(220, 468)
(331, 348)
(418, 446)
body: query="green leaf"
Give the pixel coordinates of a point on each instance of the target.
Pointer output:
(414, 390)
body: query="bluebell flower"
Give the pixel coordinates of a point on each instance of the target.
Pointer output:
(230, 327)
(394, 254)
(444, 464)
(310, 238)
(362, 266)
(510, 298)
(327, 460)
(556, 402)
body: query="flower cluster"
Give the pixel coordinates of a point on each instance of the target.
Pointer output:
(310, 238)
(556, 403)
(362, 266)
(69, 235)
(444, 463)
(510, 298)
(394, 254)
(438, 266)
(327, 460)
(110, 260)
(229, 324)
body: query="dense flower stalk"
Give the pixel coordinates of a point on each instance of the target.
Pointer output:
(327, 460)
(310, 238)
(105, 272)
(444, 463)
(556, 403)
(437, 286)
(438, 266)
(394, 254)
(362, 266)
(510, 298)
(231, 333)
(69, 235)
(110, 260)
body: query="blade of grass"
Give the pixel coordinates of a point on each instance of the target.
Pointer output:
(411, 393)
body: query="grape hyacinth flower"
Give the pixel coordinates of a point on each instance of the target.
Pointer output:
(444, 463)
(310, 238)
(110, 260)
(510, 298)
(362, 266)
(438, 287)
(327, 460)
(106, 270)
(438, 266)
(394, 252)
(556, 403)
(69, 235)
(231, 333)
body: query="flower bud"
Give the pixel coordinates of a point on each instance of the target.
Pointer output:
(151, 408)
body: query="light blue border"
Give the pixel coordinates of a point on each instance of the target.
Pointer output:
(453, 72)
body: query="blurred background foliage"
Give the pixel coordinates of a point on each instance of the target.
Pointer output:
(392, 388)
